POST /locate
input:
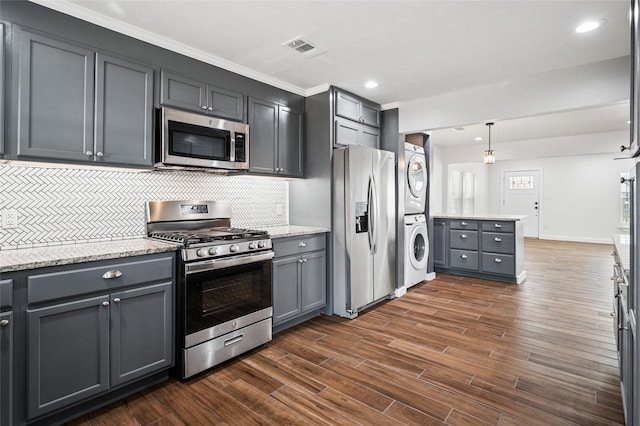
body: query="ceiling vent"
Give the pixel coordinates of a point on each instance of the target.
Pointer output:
(459, 129)
(304, 46)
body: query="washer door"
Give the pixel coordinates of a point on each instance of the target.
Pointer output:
(419, 248)
(417, 175)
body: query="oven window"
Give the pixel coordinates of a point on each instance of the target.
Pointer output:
(215, 297)
(188, 140)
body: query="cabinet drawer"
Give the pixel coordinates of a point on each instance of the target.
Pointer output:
(464, 259)
(295, 245)
(463, 224)
(74, 282)
(6, 294)
(496, 242)
(467, 240)
(499, 226)
(498, 264)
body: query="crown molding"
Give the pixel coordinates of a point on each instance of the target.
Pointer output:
(318, 89)
(392, 105)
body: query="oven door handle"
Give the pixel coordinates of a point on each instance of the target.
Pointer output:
(210, 265)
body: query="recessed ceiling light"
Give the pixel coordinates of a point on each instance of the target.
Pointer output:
(478, 138)
(587, 26)
(371, 84)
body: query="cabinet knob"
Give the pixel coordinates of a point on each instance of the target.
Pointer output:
(109, 275)
(497, 225)
(302, 244)
(210, 109)
(105, 303)
(613, 314)
(99, 154)
(463, 256)
(304, 259)
(116, 300)
(463, 223)
(300, 260)
(464, 236)
(497, 260)
(89, 153)
(4, 323)
(362, 119)
(204, 107)
(497, 239)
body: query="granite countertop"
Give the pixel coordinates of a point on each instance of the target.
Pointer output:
(293, 230)
(622, 242)
(40, 257)
(508, 217)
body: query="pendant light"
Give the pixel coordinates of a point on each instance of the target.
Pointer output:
(489, 156)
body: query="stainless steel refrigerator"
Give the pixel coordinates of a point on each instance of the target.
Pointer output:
(363, 228)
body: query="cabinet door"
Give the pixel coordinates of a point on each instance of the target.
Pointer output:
(370, 114)
(182, 92)
(124, 107)
(67, 354)
(263, 136)
(141, 332)
(370, 136)
(314, 280)
(347, 106)
(225, 103)
(286, 288)
(290, 157)
(56, 99)
(440, 239)
(346, 132)
(6, 368)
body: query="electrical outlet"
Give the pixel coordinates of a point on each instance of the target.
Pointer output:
(9, 218)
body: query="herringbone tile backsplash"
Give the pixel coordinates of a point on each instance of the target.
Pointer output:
(65, 205)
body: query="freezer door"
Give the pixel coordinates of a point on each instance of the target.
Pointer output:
(358, 185)
(384, 216)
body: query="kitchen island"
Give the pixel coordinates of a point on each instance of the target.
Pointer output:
(480, 246)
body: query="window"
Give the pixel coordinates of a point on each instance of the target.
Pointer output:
(521, 182)
(461, 192)
(625, 200)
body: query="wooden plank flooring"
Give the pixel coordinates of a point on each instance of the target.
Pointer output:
(453, 351)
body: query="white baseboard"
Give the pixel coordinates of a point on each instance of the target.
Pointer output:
(400, 291)
(577, 239)
(430, 276)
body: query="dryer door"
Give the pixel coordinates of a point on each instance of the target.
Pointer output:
(417, 175)
(419, 248)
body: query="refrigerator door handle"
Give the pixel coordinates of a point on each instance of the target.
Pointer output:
(374, 215)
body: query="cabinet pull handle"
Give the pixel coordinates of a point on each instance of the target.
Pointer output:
(497, 239)
(497, 225)
(116, 300)
(89, 153)
(233, 340)
(463, 223)
(464, 236)
(105, 303)
(99, 154)
(497, 260)
(302, 244)
(109, 275)
(4, 323)
(463, 256)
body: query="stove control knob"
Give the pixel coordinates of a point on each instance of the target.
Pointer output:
(234, 248)
(253, 246)
(262, 244)
(213, 251)
(201, 252)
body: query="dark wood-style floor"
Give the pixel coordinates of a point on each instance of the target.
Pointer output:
(453, 351)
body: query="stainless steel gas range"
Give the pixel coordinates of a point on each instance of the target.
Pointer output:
(224, 302)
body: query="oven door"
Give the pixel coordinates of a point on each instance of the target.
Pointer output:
(223, 295)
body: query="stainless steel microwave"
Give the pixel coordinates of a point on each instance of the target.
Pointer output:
(189, 140)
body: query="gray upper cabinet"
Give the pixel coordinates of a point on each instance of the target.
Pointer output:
(57, 85)
(275, 140)
(356, 109)
(124, 105)
(348, 132)
(56, 99)
(2, 82)
(186, 93)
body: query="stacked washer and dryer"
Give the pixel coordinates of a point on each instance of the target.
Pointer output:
(415, 221)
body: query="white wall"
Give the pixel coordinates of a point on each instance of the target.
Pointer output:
(579, 194)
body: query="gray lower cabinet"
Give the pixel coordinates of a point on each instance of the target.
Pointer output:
(479, 248)
(349, 132)
(63, 87)
(186, 93)
(299, 279)
(6, 353)
(91, 329)
(276, 139)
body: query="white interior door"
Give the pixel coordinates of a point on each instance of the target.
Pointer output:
(522, 197)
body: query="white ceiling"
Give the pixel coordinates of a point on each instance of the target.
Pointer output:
(414, 49)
